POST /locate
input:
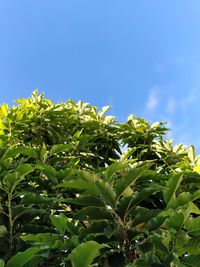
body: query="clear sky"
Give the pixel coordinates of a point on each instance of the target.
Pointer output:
(140, 56)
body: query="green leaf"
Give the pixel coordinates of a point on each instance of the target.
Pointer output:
(2, 263)
(156, 239)
(52, 241)
(51, 173)
(80, 185)
(60, 148)
(175, 221)
(106, 193)
(84, 201)
(182, 199)
(194, 209)
(22, 258)
(11, 180)
(3, 230)
(26, 213)
(155, 223)
(191, 260)
(64, 224)
(24, 169)
(39, 238)
(32, 198)
(104, 110)
(144, 217)
(43, 153)
(127, 154)
(93, 213)
(128, 180)
(113, 168)
(13, 151)
(105, 190)
(3, 111)
(192, 154)
(84, 254)
(60, 222)
(127, 203)
(193, 226)
(192, 247)
(171, 187)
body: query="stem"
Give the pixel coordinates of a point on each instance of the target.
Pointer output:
(10, 225)
(129, 250)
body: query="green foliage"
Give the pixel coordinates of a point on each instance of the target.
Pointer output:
(69, 196)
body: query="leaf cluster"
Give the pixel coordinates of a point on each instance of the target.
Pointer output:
(79, 189)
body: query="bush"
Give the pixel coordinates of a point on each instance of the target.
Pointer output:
(79, 189)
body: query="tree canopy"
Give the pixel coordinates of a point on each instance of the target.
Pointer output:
(80, 189)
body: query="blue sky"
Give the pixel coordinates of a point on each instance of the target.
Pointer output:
(140, 56)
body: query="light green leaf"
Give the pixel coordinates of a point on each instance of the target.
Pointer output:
(104, 110)
(60, 148)
(3, 111)
(84, 254)
(24, 169)
(192, 247)
(192, 154)
(13, 151)
(11, 180)
(155, 125)
(182, 199)
(2, 263)
(127, 154)
(193, 226)
(175, 221)
(52, 241)
(60, 222)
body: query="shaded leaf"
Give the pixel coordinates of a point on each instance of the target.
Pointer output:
(93, 213)
(84, 201)
(172, 186)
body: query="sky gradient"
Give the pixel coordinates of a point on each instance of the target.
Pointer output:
(140, 57)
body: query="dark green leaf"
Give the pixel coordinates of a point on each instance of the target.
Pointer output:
(94, 213)
(23, 257)
(172, 186)
(85, 201)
